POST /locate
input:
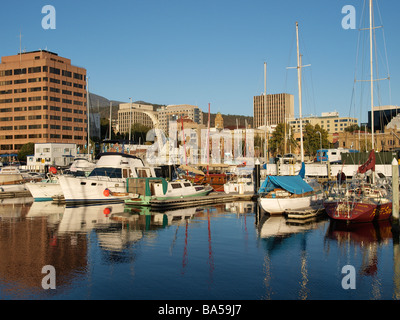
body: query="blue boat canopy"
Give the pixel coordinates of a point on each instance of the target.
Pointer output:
(293, 184)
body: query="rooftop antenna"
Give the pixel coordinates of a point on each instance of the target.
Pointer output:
(20, 45)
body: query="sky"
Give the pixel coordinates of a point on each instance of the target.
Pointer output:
(213, 51)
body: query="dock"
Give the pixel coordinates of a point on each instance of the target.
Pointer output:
(16, 194)
(305, 213)
(212, 198)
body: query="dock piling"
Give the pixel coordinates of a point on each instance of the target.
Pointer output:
(395, 188)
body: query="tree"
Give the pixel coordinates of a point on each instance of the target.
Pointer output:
(139, 132)
(312, 139)
(26, 150)
(277, 141)
(352, 128)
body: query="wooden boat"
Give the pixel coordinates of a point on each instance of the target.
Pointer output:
(198, 177)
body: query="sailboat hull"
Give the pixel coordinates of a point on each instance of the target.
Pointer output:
(280, 205)
(358, 212)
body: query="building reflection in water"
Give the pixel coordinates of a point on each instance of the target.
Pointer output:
(29, 241)
(35, 234)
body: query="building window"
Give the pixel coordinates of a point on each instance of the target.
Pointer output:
(19, 71)
(54, 70)
(34, 69)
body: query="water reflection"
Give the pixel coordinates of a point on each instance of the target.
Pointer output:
(278, 234)
(247, 254)
(369, 240)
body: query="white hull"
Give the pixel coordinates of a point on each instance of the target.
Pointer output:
(20, 187)
(280, 205)
(91, 190)
(238, 188)
(44, 190)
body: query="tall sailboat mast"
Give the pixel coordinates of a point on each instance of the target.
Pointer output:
(88, 115)
(299, 86)
(265, 114)
(371, 74)
(110, 124)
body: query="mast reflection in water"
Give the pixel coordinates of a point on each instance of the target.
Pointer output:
(229, 251)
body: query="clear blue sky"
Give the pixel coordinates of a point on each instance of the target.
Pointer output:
(196, 52)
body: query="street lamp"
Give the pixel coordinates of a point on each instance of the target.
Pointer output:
(320, 144)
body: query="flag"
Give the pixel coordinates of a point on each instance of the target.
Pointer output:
(370, 164)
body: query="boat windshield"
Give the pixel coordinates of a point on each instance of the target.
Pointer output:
(106, 172)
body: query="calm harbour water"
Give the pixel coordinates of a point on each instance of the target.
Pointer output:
(220, 252)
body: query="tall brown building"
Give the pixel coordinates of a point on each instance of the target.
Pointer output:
(42, 99)
(279, 107)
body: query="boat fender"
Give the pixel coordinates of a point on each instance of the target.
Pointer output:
(106, 192)
(107, 211)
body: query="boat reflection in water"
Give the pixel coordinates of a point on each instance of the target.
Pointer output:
(225, 251)
(372, 241)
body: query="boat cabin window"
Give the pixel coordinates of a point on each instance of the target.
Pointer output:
(126, 173)
(106, 172)
(187, 184)
(142, 173)
(158, 172)
(176, 185)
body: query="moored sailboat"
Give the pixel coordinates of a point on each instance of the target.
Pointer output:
(281, 193)
(362, 201)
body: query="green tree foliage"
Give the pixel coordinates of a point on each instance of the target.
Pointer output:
(312, 139)
(139, 132)
(26, 150)
(277, 140)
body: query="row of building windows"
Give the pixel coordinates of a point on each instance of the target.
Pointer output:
(46, 116)
(45, 79)
(35, 89)
(65, 73)
(39, 135)
(45, 98)
(35, 108)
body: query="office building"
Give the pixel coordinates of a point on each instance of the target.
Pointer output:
(382, 116)
(128, 116)
(278, 107)
(176, 112)
(330, 121)
(42, 99)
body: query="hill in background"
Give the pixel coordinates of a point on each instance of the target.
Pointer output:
(102, 105)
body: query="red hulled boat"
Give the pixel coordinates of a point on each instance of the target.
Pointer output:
(360, 201)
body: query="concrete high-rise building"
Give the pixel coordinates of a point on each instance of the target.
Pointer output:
(278, 107)
(175, 112)
(42, 99)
